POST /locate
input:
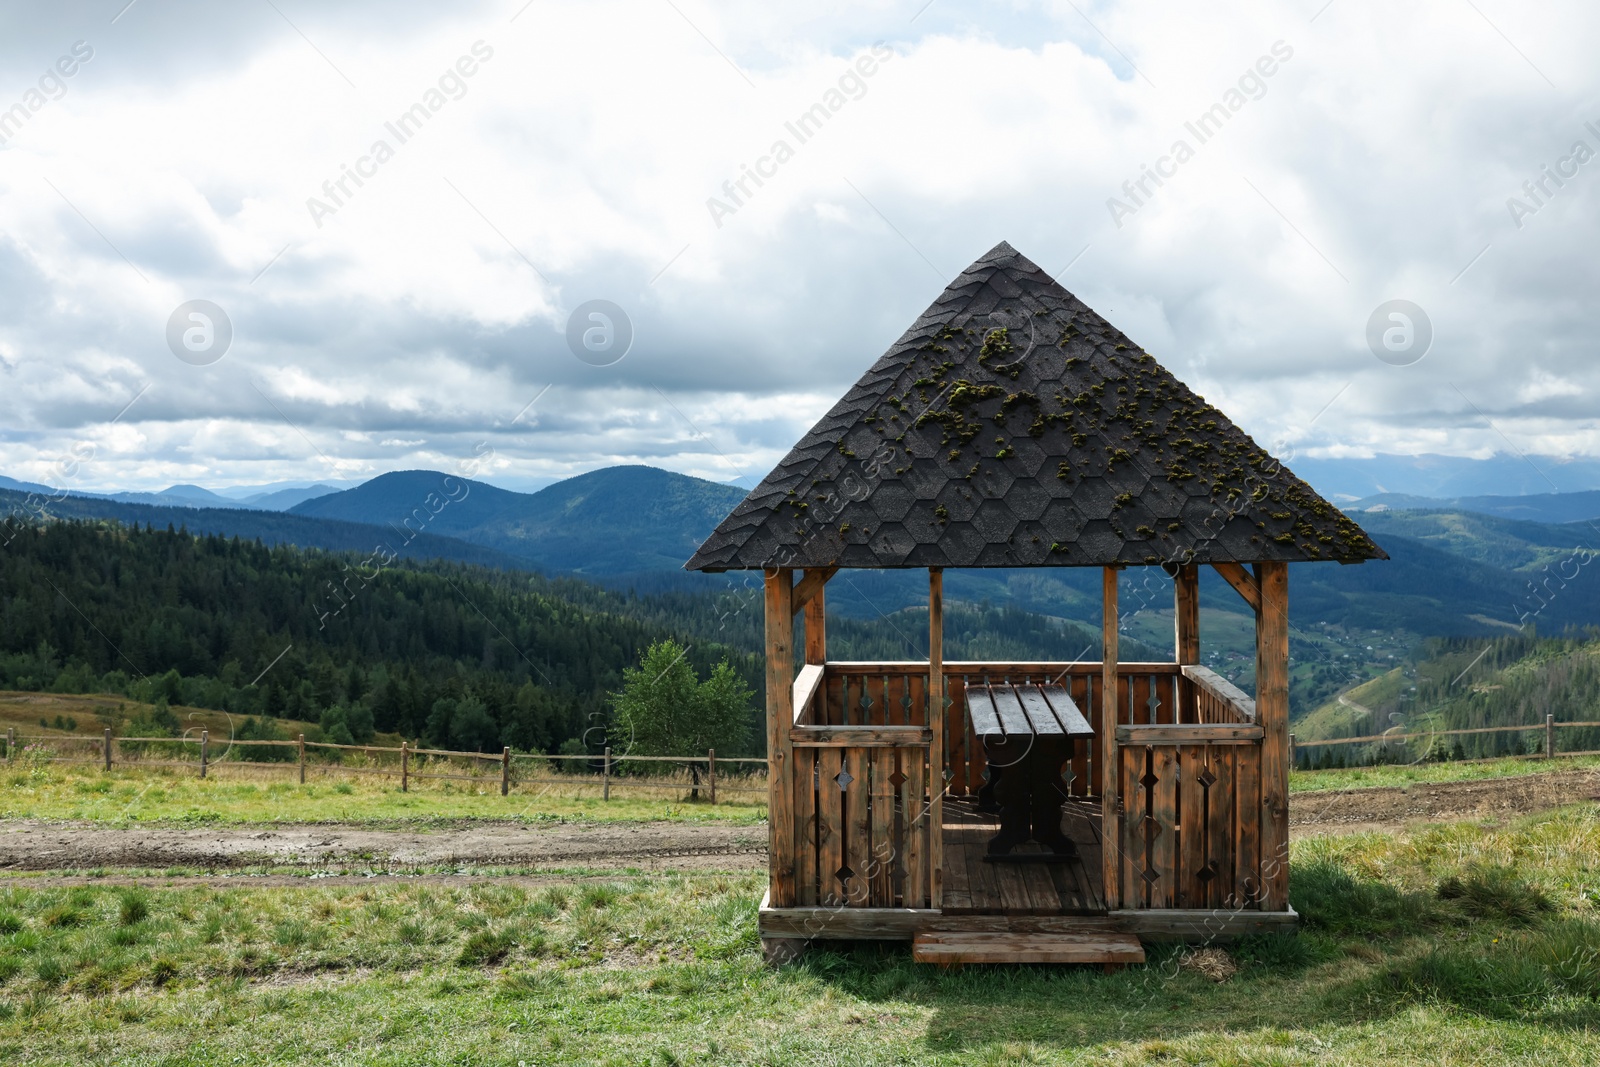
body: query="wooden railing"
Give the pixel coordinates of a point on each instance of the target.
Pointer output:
(896, 694)
(861, 801)
(1187, 785)
(1209, 697)
(1189, 793)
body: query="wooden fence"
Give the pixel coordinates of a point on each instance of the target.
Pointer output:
(1549, 727)
(408, 763)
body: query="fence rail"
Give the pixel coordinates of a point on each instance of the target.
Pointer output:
(1548, 727)
(514, 767)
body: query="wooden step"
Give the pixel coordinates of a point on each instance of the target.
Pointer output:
(1103, 946)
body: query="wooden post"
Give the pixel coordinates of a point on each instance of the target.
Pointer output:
(1186, 636)
(1294, 759)
(816, 629)
(11, 741)
(1186, 604)
(205, 745)
(1272, 715)
(936, 721)
(302, 759)
(605, 776)
(1549, 737)
(780, 720)
(108, 748)
(1105, 739)
(711, 765)
(405, 765)
(505, 771)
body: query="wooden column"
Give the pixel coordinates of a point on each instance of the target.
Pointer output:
(780, 720)
(816, 630)
(1272, 715)
(1105, 736)
(1186, 635)
(936, 721)
(1186, 604)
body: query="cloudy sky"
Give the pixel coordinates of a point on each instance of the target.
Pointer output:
(1357, 152)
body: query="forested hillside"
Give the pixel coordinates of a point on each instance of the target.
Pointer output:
(1464, 684)
(458, 656)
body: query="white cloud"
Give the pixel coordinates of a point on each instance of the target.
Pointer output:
(1375, 163)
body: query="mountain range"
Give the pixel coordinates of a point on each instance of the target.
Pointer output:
(1534, 507)
(254, 498)
(617, 523)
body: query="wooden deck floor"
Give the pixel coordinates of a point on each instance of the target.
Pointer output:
(975, 886)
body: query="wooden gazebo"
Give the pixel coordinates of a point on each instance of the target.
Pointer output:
(1012, 426)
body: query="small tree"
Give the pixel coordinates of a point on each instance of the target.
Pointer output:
(664, 709)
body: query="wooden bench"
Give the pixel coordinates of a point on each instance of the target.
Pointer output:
(1028, 732)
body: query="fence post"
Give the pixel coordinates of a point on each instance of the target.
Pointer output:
(405, 765)
(302, 759)
(711, 772)
(1549, 737)
(108, 748)
(1292, 763)
(11, 741)
(606, 776)
(505, 770)
(205, 744)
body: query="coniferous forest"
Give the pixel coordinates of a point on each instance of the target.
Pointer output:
(454, 655)
(457, 656)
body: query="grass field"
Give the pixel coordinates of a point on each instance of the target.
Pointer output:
(92, 713)
(1405, 774)
(235, 796)
(1456, 944)
(239, 796)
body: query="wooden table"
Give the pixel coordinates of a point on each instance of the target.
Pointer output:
(1028, 732)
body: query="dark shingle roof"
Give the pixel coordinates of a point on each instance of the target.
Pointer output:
(1011, 426)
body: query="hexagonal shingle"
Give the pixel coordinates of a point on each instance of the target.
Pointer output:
(1027, 500)
(962, 545)
(994, 521)
(1062, 521)
(891, 501)
(958, 501)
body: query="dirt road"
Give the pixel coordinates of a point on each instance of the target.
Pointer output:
(1346, 810)
(31, 845)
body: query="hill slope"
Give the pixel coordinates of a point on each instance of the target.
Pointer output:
(1463, 684)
